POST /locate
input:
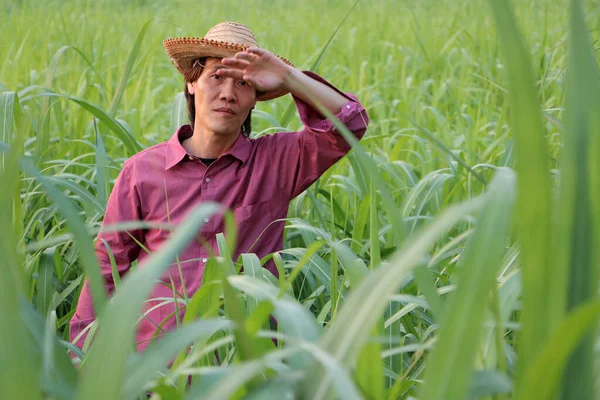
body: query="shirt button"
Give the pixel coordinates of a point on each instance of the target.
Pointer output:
(348, 106)
(190, 157)
(205, 219)
(204, 260)
(207, 180)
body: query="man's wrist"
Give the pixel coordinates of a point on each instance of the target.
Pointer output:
(292, 80)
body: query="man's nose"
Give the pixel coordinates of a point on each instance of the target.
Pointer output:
(228, 91)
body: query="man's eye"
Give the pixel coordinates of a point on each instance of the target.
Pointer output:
(215, 76)
(243, 83)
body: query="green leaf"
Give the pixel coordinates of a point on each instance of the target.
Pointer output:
(579, 214)
(366, 302)
(45, 284)
(9, 105)
(102, 173)
(17, 379)
(82, 238)
(543, 284)
(451, 363)
(542, 375)
(179, 112)
(489, 383)
(360, 222)
(43, 132)
(252, 268)
(369, 368)
(128, 68)
(294, 319)
(277, 388)
(129, 141)
(59, 375)
(368, 164)
(104, 378)
(287, 116)
(156, 357)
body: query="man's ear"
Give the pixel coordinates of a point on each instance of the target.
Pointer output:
(190, 88)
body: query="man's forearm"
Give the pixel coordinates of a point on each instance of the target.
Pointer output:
(310, 91)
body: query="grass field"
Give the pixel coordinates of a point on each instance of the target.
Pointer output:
(451, 255)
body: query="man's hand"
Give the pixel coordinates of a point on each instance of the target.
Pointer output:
(266, 72)
(259, 67)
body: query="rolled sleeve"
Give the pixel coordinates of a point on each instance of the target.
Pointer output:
(352, 114)
(301, 157)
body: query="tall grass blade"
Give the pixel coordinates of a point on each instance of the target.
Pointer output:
(82, 238)
(156, 357)
(365, 304)
(43, 132)
(295, 320)
(543, 291)
(19, 371)
(542, 375)
(445, 149)
(45, 283)
(579, 214)
(130, 143)
(8, 100)
(179, 112)
(104, 378)
(61, 369)
(287, 116)
(369, 165)
(128, 68)
(451, 363)
(369, 368)
(102, 173)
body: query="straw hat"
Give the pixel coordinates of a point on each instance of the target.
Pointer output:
(223, 40)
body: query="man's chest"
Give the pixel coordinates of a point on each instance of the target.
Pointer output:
(249, 191)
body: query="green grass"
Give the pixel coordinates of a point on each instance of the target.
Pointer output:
(451, 255)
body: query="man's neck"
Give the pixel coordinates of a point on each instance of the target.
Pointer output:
(204, 144)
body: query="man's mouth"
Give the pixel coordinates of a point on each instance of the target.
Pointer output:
(225, 110)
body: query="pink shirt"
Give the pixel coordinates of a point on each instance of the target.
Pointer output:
(255, 178)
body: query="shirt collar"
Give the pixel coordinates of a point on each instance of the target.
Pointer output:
(175, 151)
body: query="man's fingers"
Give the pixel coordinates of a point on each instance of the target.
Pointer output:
(256, 50)
(235, 63)
(244, 56)
(230, 73)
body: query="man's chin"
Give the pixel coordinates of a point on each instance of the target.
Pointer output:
(226, 132)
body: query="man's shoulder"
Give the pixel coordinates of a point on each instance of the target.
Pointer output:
(150, 157)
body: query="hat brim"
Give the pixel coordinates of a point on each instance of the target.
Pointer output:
(184, 51)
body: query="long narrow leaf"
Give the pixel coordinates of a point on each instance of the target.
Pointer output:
(130, 143)
(451, 363)
(579, 219)
(19, 374)
(288, 112)
(128, 67)
(105, 379)
(366, 303)
(543, 291)
(542, 375)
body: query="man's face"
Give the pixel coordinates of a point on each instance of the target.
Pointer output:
(222, 104)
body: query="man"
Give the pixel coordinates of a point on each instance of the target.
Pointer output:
(213, 159)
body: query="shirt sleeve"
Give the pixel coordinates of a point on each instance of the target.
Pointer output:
(300, 158)
(123, 205)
